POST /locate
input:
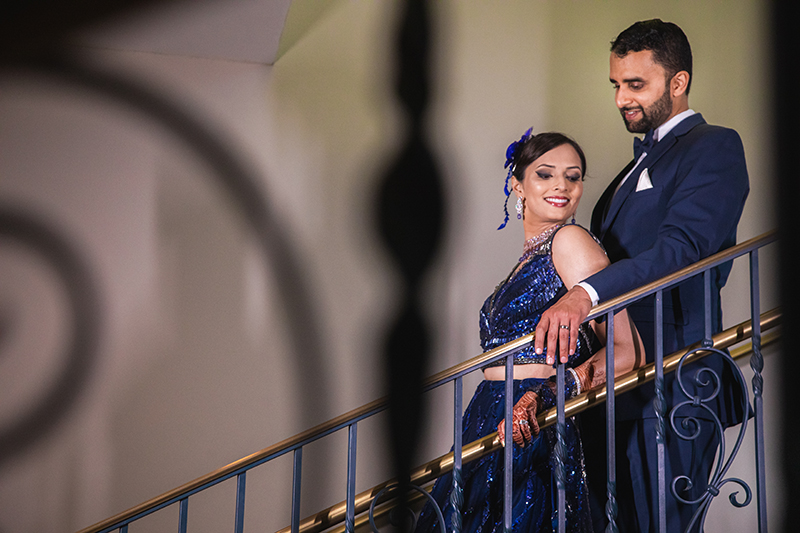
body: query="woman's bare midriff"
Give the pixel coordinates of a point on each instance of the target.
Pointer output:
(530, 370)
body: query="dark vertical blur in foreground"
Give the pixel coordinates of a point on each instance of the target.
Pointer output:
(410, 222)
(782, 82)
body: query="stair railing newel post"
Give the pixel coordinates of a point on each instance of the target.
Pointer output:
(410, 220)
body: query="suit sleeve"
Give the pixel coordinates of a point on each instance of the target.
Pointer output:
(700, 218)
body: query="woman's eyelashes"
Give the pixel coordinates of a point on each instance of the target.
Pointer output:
(547, 176)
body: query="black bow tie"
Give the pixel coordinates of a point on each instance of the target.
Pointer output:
(643, 145)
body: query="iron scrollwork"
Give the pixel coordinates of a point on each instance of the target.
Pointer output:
(689, 429)
(439, 515)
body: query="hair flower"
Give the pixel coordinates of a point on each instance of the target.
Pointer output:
(511, 154)
(511, 151)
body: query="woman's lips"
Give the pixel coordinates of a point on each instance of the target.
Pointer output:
(557, 201)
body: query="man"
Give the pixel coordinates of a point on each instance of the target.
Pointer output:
(679, 200)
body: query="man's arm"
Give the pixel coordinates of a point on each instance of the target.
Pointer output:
(575, 256)
(702, 211)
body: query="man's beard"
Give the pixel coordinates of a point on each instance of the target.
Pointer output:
(653, 116)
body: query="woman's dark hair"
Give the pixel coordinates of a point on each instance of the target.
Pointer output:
(537, 146)
(666, 40)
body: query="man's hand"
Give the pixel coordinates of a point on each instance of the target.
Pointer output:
(559, 324)
(524, 427)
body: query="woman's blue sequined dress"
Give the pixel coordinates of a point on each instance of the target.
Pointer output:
(511, 311)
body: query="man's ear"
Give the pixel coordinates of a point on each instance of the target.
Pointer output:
(679, 83)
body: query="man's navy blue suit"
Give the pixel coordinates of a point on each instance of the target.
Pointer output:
(699, 186)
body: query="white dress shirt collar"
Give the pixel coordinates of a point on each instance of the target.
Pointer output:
(666, 127)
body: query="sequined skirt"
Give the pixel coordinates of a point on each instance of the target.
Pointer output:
(534, 500)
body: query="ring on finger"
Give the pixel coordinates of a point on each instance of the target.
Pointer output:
(564, 326)
(523, 422)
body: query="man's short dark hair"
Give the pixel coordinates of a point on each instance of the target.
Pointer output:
(666, 40)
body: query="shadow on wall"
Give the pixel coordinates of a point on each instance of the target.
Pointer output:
(67, 262)
(32, 52)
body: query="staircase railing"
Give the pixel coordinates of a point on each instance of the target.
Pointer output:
(334, 515)
(355, 504)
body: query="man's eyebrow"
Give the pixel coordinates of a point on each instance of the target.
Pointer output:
(628, 80)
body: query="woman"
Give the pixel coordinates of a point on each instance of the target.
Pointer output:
(548, 171)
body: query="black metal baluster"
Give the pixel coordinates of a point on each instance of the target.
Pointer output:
(238, 525)
(297, 472)
(183, 515)
(660, 407)
(508, 451)
(757, 364)
(561, 448)
(457, 494)
(611, 450)
(352, 447)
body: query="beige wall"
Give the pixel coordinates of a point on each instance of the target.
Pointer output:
(195, 369)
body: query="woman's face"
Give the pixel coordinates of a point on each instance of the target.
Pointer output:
(551, 188)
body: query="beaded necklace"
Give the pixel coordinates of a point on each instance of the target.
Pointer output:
(531, 247)
(533, 244)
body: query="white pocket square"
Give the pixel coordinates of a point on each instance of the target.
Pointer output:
(644, 181)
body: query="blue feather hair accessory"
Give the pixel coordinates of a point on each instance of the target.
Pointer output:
(511, 155)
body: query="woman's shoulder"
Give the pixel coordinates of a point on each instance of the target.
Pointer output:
(577, 254)
(572, 235)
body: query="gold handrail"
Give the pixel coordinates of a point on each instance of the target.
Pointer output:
(381, 403)
(718, 258)
(433, 469)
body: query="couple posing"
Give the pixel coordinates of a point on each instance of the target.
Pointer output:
(677, 201)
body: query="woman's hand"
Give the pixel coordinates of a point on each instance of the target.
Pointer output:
(524, 427)
(587, 374)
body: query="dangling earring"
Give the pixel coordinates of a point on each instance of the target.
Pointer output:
(520, 206)
(573, 218)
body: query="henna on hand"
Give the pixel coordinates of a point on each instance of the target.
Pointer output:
(524, 427)
(586, 374)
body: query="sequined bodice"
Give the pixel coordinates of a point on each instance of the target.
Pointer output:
(517, 304)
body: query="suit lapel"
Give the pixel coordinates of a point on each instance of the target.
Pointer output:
(622, 194)
(649, 161)
(600, 213)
